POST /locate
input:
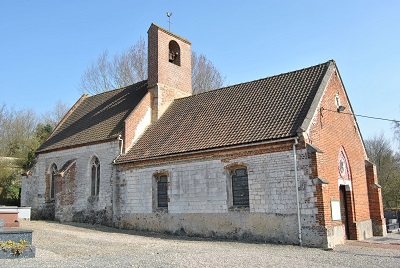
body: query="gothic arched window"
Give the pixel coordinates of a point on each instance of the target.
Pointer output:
(54, 172)
(95, 177)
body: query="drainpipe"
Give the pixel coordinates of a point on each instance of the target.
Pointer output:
(122, 143)
(112, 182)
(297, 189)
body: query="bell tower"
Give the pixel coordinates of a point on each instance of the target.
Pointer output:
(169, 69)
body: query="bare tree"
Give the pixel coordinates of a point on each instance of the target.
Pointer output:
(396, 128)
(124, 69)
(205, 76)
(16, 131)
(388, 168)
(130, 67)
(56, 114)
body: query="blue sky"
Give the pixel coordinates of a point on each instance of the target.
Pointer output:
(46, 45)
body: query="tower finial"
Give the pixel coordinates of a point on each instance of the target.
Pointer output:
(169, 14)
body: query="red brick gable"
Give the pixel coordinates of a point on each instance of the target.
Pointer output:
(336, 134)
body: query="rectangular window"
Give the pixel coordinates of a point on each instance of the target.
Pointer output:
(162, 192)
(240, 188)
(54, 172)
(98, 181)
(52, 188)
(93, 184)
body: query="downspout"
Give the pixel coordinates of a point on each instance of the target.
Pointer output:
(112, 180)
(122, 143)
(297, 189)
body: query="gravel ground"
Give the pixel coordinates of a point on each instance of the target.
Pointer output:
(83, 245)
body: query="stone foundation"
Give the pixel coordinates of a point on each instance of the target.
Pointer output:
(260, 227)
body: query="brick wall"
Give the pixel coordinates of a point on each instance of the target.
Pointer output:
(167, 81)
(330, 131)
(161, 71)
(137, 122)
(375, 201)
(65, 189)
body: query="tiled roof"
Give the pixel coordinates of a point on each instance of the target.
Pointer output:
(261, 110)
(96, 118)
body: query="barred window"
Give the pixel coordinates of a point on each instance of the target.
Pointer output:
(162, 191)
(240, 187)
(95, 177)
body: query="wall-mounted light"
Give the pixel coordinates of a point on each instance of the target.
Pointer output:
(341, 108)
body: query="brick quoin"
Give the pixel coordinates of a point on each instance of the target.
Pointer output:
(375, 200)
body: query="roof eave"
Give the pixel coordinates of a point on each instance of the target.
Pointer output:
(318, 96)
(114, 137)
(206, 150)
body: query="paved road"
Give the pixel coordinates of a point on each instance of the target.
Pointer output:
(83, 245)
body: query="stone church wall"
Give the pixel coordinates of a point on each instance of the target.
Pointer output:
(85, 208)
(200, 196)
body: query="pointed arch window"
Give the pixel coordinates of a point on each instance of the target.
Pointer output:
(95, 177)
(343, 165)
(174, 53)
(54, 171)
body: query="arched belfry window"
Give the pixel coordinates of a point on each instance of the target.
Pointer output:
(95, 177)
(174, 53)
(54, 171)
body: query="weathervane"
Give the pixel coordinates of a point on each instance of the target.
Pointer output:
(169, 14)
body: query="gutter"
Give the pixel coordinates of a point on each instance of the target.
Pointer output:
(205, 150)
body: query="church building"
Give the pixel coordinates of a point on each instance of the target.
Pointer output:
(279, 159)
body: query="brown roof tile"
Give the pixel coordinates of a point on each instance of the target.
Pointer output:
(96, 118)
(265, 109)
